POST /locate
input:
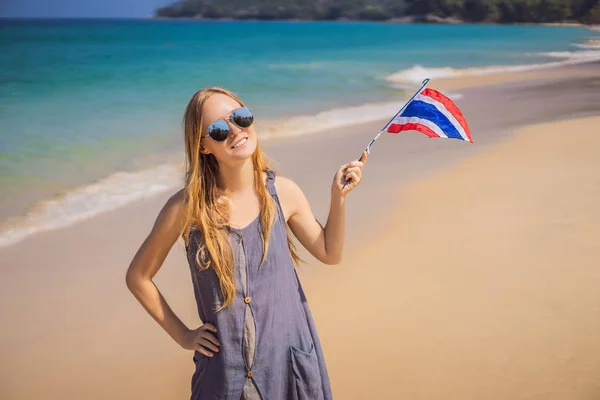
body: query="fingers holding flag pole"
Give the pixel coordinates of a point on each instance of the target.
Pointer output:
(368, 149)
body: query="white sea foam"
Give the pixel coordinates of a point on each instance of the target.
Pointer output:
(85, 202)
(589, 54)
(334, 118)
(589, 46)
(329, 119)
(417, 73)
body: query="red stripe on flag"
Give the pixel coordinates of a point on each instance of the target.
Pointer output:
(397, 128)
(450, 106)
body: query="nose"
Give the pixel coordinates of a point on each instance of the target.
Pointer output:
(235, 130)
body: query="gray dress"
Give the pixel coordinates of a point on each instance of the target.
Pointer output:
(269, 349)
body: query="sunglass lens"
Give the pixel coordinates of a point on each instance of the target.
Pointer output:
(243, 117)
(219, 130)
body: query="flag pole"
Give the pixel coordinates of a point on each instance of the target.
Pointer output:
(368, 149)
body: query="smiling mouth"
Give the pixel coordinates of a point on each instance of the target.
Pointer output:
(240, 143)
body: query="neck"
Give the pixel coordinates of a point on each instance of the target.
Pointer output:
(237, 178)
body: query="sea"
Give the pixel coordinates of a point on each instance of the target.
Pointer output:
(91, 110)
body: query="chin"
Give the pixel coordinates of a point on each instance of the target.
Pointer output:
(245, 151)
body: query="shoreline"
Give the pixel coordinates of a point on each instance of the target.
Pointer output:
(39, 218)
(582, 69)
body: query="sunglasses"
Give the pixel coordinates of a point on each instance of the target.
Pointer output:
(219, 130)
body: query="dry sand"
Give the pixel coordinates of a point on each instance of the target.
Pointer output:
(479, 285)
(484, 285)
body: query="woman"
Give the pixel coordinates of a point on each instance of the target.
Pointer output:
(258, 339)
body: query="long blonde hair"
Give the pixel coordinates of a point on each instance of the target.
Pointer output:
(206, 213)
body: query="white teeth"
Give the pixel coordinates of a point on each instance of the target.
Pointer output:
(241, 142)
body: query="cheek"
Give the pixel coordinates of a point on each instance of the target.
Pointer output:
(220, 151)
(215, 148)
(252, 134)
(253, 140)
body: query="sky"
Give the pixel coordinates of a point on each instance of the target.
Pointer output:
(79, 8)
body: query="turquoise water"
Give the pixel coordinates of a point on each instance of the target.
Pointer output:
(87, 106)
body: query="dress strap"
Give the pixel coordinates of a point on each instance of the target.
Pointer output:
(273, 192)
(271, 182)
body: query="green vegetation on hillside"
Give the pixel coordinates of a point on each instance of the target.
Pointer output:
(500, 11)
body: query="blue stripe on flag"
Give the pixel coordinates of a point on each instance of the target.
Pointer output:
(420, 109)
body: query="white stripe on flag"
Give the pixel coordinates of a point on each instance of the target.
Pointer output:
(417, 120)
(441, 108)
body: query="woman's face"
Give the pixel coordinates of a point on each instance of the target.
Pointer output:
(241, 142)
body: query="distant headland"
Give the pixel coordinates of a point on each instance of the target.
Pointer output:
(568, 12)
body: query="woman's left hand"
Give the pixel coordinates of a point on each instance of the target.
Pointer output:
(350, 175)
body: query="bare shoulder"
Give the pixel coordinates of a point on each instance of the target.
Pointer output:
(172, 214)
(285, 184)
(176, 203)
(290, 195)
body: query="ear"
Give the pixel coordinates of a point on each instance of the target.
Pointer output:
(204, 150)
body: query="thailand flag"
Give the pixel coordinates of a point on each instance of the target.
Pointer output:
(433, 114)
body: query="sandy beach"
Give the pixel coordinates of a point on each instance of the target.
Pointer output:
(467, 274)
(494, 289)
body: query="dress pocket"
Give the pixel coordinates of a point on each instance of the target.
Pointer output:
(306, 376)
